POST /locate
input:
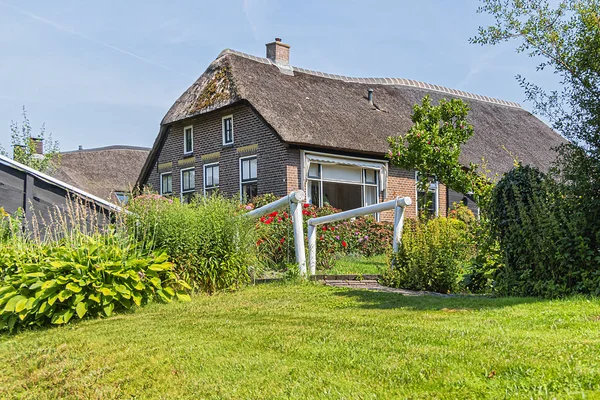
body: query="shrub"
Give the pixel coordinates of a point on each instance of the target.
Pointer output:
(208, 241)
(540, 231)
(71, 264)
(432, 256)
(52, 283)
(363, 236)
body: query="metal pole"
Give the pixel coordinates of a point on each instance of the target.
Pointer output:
(296, 212)
(312, 249)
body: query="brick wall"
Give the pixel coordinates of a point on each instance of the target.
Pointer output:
(251, 137)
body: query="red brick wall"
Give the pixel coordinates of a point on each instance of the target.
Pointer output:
(249, 129)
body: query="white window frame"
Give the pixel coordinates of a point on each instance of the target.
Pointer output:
(241, 176)
(161, 183)
(191, 128)
(363, 184)
(437, 195)
(204, 176)
(223, 130)
(181, 191)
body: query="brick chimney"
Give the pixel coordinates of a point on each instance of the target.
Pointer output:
(38, 144)
(278, 52)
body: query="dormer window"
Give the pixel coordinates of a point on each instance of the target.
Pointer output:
(227, 130)
(188, 139)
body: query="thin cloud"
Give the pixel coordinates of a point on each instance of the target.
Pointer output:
(90, 39)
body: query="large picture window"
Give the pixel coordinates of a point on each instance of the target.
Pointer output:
(341, 186)
(211, 178)
(188, 184)
(248, 178)
(428, 200)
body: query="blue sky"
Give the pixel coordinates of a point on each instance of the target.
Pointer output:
(103, 73)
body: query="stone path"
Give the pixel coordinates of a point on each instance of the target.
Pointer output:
(372, 284)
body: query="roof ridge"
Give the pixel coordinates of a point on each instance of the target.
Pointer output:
(378, 81)
(110, 147)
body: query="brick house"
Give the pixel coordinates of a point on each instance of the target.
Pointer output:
(252, 125)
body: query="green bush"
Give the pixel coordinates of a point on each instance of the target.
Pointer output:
(72, 264)
(208, 241)
(433, 256)
(52, 283)
(542, 238)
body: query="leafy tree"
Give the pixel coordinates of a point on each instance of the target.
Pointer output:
(565, 36)
(24, 145)
(432, 146)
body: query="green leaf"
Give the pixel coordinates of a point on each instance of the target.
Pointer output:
(49, 284)
(107, 292)
(21, 304)
(36, 285)
(183, 296)
(108, 309)
(81, 309)
(42, 308)
(94, 297)
(59, 264)
(64, 295)
(52, 299)
(161, 258)
(161, 267)
(137, 299)
(169, 291)
(156, 282)
(12, 303)
(35, 275)
(73, 287)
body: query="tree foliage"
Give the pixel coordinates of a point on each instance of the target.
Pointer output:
(24, 146)
(432, 146)
(565, 36)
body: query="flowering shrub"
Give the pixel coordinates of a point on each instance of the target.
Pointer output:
(362, 236)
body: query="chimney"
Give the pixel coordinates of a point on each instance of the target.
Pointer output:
(38, 144)
(278, 52)
(370, 96)
(80, 147)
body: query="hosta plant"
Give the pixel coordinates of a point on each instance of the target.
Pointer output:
(53, 283)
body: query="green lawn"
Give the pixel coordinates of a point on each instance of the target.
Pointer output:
(356, 264)
(309, 341)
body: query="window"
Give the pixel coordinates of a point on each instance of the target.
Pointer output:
(122, 197)
(228, 130)
(188, 139)
(341, 186)
(248, 178)
(166, 183)
(427, 201)
(211, 178)
(188, 184)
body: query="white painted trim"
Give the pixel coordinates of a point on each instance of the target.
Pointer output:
(306, 179)
(181, 192)
(240, 173)
(184, 129)
(437, 195)
(204, 175)
(161, 182)
(40, 175)
(223, 130)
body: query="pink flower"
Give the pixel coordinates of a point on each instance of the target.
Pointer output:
(249, 207)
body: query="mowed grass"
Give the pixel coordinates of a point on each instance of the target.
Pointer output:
(309, 341)
(357, 264)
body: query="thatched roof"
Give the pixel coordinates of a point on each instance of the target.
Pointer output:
(315, 109)
(104, 170)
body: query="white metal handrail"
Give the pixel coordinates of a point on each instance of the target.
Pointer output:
(294, 200)
(397, 205)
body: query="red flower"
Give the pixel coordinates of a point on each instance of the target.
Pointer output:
(306, 205)
(324, 228)
(273, 214)
(321, 238)
(344, 244)
(268, 221)
(332, 229)
(259, 242)
(262, 219)
(305, 212)
(282, 240)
